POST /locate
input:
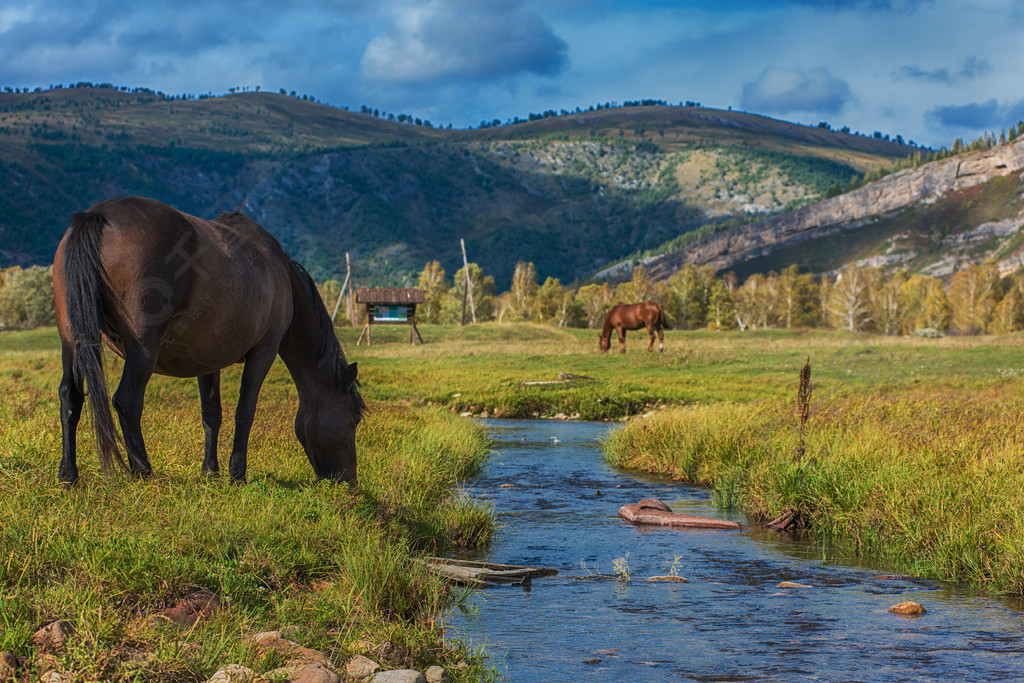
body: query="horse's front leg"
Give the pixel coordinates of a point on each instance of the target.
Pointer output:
(209, 398)
(139, 363)
(71, 399)
(622, 339)
(257, 365)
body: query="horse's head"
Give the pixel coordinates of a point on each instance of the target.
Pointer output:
(326, 428)
(604, 342)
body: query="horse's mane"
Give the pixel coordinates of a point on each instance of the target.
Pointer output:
(330, 357)
(235, 219)
(606, 331)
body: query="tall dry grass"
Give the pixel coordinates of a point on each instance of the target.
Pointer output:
(926, 481)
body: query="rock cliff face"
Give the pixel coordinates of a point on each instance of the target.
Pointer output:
(850, 211)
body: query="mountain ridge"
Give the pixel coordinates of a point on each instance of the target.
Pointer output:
(570, 192)
(927, 184)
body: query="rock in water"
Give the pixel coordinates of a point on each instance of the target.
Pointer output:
(909, 608)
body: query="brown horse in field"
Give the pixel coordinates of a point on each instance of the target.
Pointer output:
(178, 295)
(624, 317)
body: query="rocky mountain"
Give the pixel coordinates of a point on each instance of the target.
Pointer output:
(571, 191)
(933, 219)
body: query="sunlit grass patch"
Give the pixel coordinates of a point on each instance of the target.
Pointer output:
(282, 549)
(927, 482)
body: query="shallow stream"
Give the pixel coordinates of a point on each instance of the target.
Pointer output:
(730, 622)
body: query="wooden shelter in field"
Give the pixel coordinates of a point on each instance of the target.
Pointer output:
(390, 306)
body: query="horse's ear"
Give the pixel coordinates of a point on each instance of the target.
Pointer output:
(348, 377)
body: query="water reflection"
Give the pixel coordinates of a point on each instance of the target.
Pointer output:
(558, 508)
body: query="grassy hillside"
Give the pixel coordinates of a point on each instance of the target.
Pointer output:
(569, 193)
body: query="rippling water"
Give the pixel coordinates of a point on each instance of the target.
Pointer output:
(730, 622)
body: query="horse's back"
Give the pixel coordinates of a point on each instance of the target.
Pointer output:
(635, 316)
(206, 291)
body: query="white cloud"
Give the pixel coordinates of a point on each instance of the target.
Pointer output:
(783, 91)
(446, 39)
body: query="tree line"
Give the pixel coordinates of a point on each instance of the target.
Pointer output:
(976, 300)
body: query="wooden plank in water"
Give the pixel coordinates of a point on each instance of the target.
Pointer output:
(653, 512)
(482, 574)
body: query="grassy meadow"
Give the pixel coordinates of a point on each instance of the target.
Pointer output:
(914, 447)
(280, 550)
(913, 454)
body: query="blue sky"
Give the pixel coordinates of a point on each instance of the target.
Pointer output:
(930, 70)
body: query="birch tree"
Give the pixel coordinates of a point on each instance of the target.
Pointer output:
(595, 300)
(849, 302)
(973, 294)
(435, 292)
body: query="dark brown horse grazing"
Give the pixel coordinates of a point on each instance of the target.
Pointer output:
(624, 317)
(181, 296)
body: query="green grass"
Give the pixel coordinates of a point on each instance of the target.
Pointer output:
(922, 479)
(282, 549)
(913, 459)
(913, 447)
(485, 367)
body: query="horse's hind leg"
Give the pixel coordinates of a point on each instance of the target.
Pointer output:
(209, 398)
(71, 399)
(652, 330)
(128, 399)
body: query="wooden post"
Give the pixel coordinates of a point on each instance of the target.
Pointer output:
(366, 327)
(348, 276)
(469, 286)
(340, 297)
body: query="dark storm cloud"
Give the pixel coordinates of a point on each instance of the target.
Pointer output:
(466, 39)
(972, 68)
(988, 115)
(782, 91)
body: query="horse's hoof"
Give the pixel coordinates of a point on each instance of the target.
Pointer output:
(68, 478)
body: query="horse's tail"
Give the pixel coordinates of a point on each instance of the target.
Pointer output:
(83, 299)
(660, 322)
